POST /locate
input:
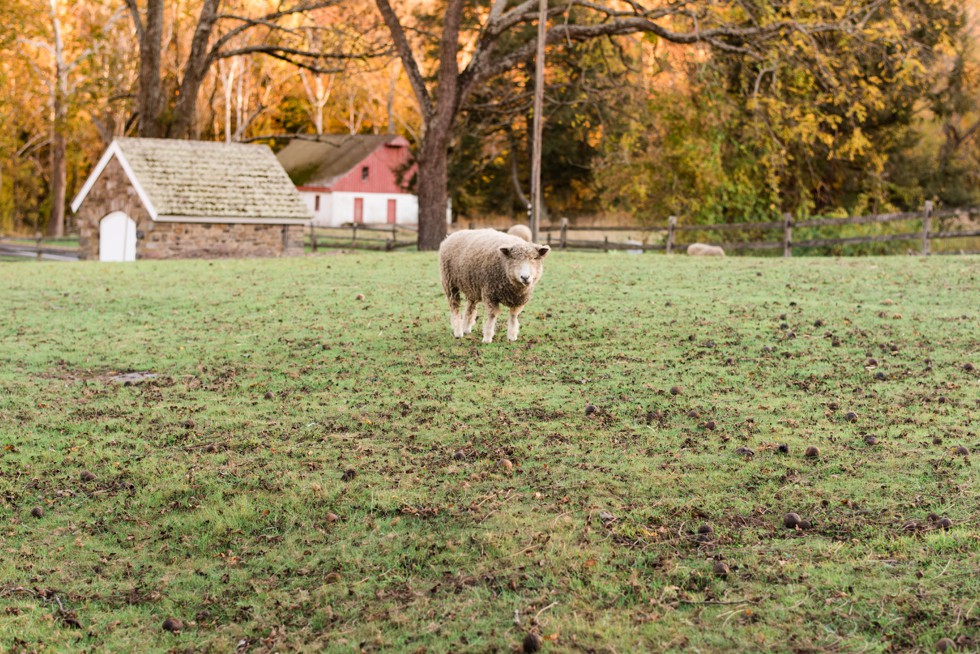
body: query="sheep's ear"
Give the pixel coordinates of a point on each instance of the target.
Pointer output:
(543, 250)
(506, 251)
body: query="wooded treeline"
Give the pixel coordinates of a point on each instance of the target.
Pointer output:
(717, 111)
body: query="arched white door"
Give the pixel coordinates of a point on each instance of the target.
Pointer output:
(117, 238)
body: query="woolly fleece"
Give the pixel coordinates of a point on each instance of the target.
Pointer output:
(483, 265)
(704, 250)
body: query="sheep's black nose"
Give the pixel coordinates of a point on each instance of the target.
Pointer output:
(525, 279)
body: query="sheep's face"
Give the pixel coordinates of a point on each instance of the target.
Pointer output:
(523, 263)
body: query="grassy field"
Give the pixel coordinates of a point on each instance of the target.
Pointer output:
(294, 468)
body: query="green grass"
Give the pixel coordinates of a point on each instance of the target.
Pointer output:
(215, 481)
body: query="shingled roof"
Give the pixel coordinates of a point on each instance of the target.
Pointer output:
(200, 181)
(323, 161)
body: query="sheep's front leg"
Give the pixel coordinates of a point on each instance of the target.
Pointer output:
(470, 316)
(513, 326)
(455, 315)
(456, 319)
(490, 325)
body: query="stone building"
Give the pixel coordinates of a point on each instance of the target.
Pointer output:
(170, 199)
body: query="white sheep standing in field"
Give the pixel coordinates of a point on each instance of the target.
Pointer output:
(521, 231)
(490, 267)
(704, 250)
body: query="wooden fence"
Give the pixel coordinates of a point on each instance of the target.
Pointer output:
(35, 249)
(362, 236)
(391, 237)
(925, 234)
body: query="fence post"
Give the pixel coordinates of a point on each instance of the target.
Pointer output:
(564, 233)
(37, 242)
(353, 239)
(606, 247)
(787, 235)
(313, 236)
(671, 224)
(926, 225)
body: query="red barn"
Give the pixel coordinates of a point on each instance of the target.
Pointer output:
(353, 178)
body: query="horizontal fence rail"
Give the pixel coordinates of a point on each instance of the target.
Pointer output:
(861, 220)
(925, 234)
(22, 249)
(389, 237)
(362, 236)
(724, 227)
(607, 245)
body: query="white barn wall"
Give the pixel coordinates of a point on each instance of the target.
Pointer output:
(337, 208)
(376, 207)
(323, 217)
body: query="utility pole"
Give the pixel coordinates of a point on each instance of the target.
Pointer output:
(538, 126)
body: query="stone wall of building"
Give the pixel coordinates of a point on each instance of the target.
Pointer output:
(166, 240)
(111, 192)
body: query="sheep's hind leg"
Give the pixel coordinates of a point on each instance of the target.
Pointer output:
(513, 326)
(455, 315)
(490, 326)
(470, 316)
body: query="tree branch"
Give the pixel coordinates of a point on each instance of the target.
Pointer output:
(960, 138)
(448, 77)
(288, 54)
(496, 10)
(404, 50)
(731, 39)
(134, 11)
(41, 45)
(268, 20)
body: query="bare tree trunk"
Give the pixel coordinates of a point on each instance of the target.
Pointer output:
(59, 175)
(355, 115)
(59, 166)
(150, 98)
(390, 105)
(243, 93)
(198, 61)
(318, 95)
(433, 189)
(322, 97)
(156, 118)
(227, 78)
(536, 195)
(439, 111)
(516, 181)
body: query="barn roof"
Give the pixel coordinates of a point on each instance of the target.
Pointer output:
(322, 161)
(200, 181)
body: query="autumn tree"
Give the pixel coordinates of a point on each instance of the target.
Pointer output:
(804, 106)
(218, 34)
(800, 129)
(19, 119)
(468, 54)
(953, 172)
(67, 37)
(490, 164)
(56, 78)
